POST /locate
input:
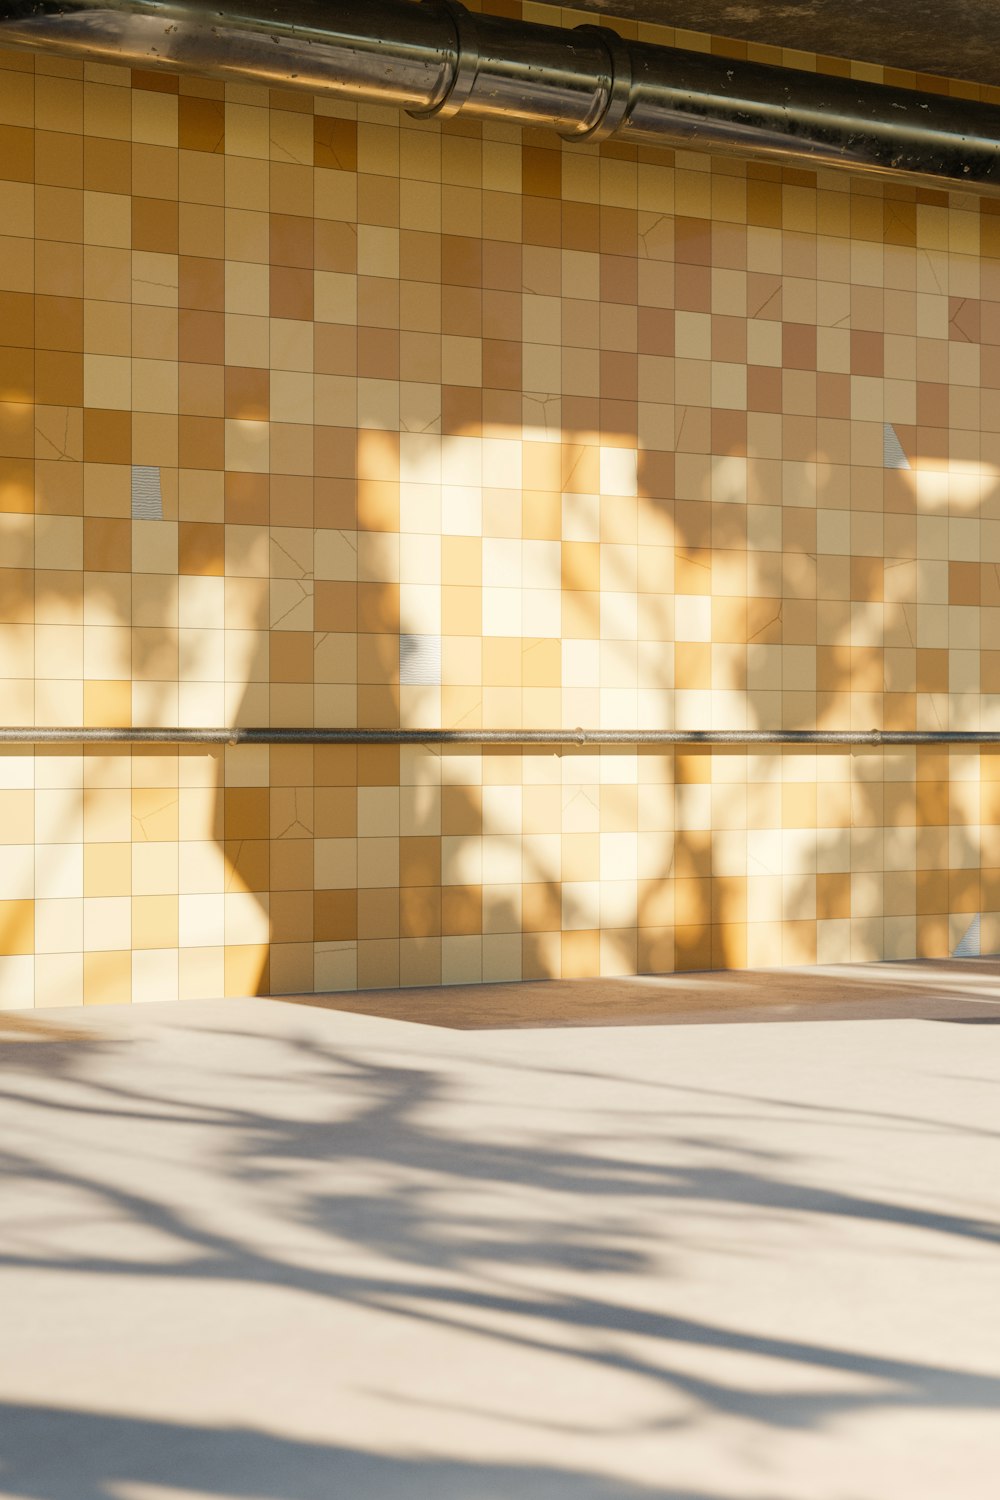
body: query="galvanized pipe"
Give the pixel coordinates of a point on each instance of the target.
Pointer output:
(435, 59)
(26, 734)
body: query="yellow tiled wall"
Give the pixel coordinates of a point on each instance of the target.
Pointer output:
(322, 416)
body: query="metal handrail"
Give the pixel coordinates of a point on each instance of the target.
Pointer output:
(259, 735)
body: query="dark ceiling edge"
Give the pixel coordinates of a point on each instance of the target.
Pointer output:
(902, 34)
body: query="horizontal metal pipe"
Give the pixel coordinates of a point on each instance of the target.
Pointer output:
(434, 58)
(26, 734)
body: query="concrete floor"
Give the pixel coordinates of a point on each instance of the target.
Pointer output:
(256, 1250)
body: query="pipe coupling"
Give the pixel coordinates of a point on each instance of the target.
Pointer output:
(456, 89)
(616, 86)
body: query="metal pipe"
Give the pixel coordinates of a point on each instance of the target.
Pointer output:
(26, 734)
(435, 59)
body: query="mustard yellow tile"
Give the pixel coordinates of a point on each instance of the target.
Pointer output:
(246, 969)
(154, 813)
(541, 663)
(107, 704)
(107, 978)
(17, 927)
(154, 922)
(107, 869)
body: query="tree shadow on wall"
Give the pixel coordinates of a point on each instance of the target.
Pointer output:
(138, 823)
(881, 842)
(381, 923)
(888, 842)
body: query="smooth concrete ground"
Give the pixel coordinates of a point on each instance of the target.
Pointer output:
(273, 1251)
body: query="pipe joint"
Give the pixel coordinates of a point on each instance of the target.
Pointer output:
(434, 59)
(616, 87)
(458, 88)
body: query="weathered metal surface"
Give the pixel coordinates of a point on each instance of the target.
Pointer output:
(957, 40)
(435, 58)
(253, 735)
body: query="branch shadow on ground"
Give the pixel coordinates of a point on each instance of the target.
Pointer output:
(424, 1244)
(109, 1452)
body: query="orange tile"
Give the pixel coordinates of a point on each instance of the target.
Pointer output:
(107, 165)
(18, 319)
(201, 548)
(247, 812)
(291, 292)
(107, 545)
(17, 152)
(378, 765)
(291, 918)
(419, 863)
(17, 485)
(107, 436)
(462, 910)
(378, 914)
(154, 225)
(248, 862)
(692, 947)
(581, 955)
(420, 912)
(335, 144)
(201, 124)
(17, 374)
(461, 810)
(335, 916)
